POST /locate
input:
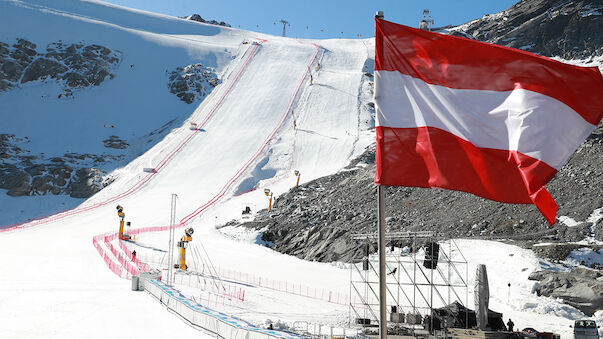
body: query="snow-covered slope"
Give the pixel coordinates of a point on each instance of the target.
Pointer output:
(244, 140)
(136, 105)
(282, 105)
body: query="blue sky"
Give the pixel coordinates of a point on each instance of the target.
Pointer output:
(322, 19)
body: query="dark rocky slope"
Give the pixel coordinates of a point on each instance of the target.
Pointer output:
(570, 29)
(314, 221)
(74, 66)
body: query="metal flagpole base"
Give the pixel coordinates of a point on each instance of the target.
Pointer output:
(382, 273)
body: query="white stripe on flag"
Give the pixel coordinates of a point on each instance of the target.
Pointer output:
(520, 120)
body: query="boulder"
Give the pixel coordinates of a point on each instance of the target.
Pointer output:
(577, 288)
(15, 180)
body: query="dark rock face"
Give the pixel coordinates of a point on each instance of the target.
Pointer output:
(115, 142)
(86, 182)
(41, 69)
(558, 252)
(26, 175)
(581, 288)
(568, 29)
(197, 17)
(193, 82)
(74, 65)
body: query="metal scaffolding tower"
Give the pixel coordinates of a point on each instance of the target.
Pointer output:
(418, 280)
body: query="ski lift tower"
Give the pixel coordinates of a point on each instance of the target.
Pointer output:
(427, 21)
(285, 24)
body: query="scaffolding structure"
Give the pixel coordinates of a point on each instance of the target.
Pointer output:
(418, 280)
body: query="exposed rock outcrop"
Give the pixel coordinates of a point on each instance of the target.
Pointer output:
(75, 65)
(115, 142)
(581, 288)
(22, 174)
(198, 18)
(564, 28)
(193, 82)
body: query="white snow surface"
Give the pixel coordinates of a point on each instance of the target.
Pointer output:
(54, 282)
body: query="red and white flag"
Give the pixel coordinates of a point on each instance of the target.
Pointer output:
(465, 115)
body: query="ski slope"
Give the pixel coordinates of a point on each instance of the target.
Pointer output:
(136, 102)
(55, 283)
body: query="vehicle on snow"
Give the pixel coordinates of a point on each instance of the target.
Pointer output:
(586, 329)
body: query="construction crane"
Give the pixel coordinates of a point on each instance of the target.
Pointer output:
(122, 216)
(183, 244)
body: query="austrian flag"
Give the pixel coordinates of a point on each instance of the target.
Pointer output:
(465, 115)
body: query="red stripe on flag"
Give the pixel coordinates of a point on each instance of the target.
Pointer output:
(431, 157)
(462, 63)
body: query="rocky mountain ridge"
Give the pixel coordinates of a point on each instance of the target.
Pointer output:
(198, 18)
(569, 29)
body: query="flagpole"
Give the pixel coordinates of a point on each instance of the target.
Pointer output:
(381, 227)
(382, 276)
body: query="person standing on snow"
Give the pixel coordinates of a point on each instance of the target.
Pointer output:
(510, 325)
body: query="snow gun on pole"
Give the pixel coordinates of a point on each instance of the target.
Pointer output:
(297, 174)
(122, 216)
(269, 195)
(183, 244)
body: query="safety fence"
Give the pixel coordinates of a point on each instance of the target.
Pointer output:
(219, 324)
(285, 286)
(216, 290)
(142, 267)
(126, 265)
(116, 268)
(256, 280)
(113, 266)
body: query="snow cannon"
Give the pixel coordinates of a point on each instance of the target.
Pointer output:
(269, 195)
(297, 174)
(122, 216)
(183, 243)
